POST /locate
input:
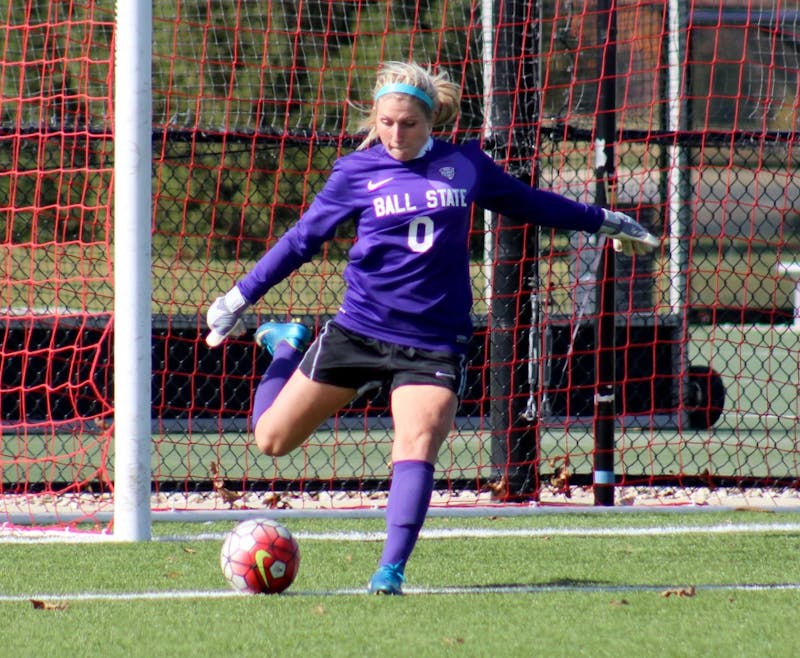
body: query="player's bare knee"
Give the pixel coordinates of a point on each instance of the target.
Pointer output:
(423, 445)
(272, 445)
(272, 440)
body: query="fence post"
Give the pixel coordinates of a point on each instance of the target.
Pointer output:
(605, 174)
(512, 101)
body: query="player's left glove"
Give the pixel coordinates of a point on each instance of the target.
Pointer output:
(224, 316)
(629, 236)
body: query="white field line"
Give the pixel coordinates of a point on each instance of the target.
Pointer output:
(489, 589)
(21, 535)
(492, 533)
(450, 533)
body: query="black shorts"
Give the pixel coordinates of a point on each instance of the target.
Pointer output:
(343, 358)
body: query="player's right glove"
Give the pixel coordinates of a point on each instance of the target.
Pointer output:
(224, 316)
(629, 236)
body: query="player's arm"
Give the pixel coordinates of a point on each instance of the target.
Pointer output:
(509, 196)
(297, 246)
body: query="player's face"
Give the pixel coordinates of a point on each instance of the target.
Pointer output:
(403, 127)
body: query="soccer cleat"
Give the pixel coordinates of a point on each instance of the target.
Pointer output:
(388, 579)
(269, 334)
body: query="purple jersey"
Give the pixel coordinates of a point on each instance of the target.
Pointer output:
(408, 278)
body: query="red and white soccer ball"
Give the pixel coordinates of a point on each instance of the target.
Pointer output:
(259, 556)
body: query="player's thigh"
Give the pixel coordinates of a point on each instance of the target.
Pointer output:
(423, 417)
(299, 409)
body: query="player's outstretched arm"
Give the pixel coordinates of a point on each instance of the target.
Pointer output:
(629, 236)
(224, 317)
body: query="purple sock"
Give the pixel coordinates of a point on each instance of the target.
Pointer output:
(409, 498)
(284, 363)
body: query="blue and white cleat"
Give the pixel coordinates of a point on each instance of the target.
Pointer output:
(269, 334)
(388, 579)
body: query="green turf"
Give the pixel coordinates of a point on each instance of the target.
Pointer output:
(586, 595)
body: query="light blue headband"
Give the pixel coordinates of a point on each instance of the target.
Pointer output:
(403, 88)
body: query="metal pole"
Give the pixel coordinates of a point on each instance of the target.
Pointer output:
(132, 288)
(605, 404)
(678, 184)
(513, 99)
(679, 187)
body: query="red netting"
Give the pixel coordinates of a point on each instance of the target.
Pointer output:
(249, 113)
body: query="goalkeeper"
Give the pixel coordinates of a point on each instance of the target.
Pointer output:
(404, 319)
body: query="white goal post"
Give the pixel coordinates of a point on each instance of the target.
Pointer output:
(132, 287)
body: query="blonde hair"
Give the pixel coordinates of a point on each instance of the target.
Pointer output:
(445, 94)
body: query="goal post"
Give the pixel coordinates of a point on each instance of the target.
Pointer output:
(133, 203)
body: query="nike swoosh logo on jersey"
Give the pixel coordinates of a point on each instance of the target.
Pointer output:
(374, 186)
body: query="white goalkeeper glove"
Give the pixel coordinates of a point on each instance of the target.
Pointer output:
(629, 236)
(224, 316)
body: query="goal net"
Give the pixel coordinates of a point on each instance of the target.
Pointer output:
(254, 101)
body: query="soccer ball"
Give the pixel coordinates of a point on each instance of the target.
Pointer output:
(259, 556)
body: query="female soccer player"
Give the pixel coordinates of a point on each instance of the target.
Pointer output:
(405, 315)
